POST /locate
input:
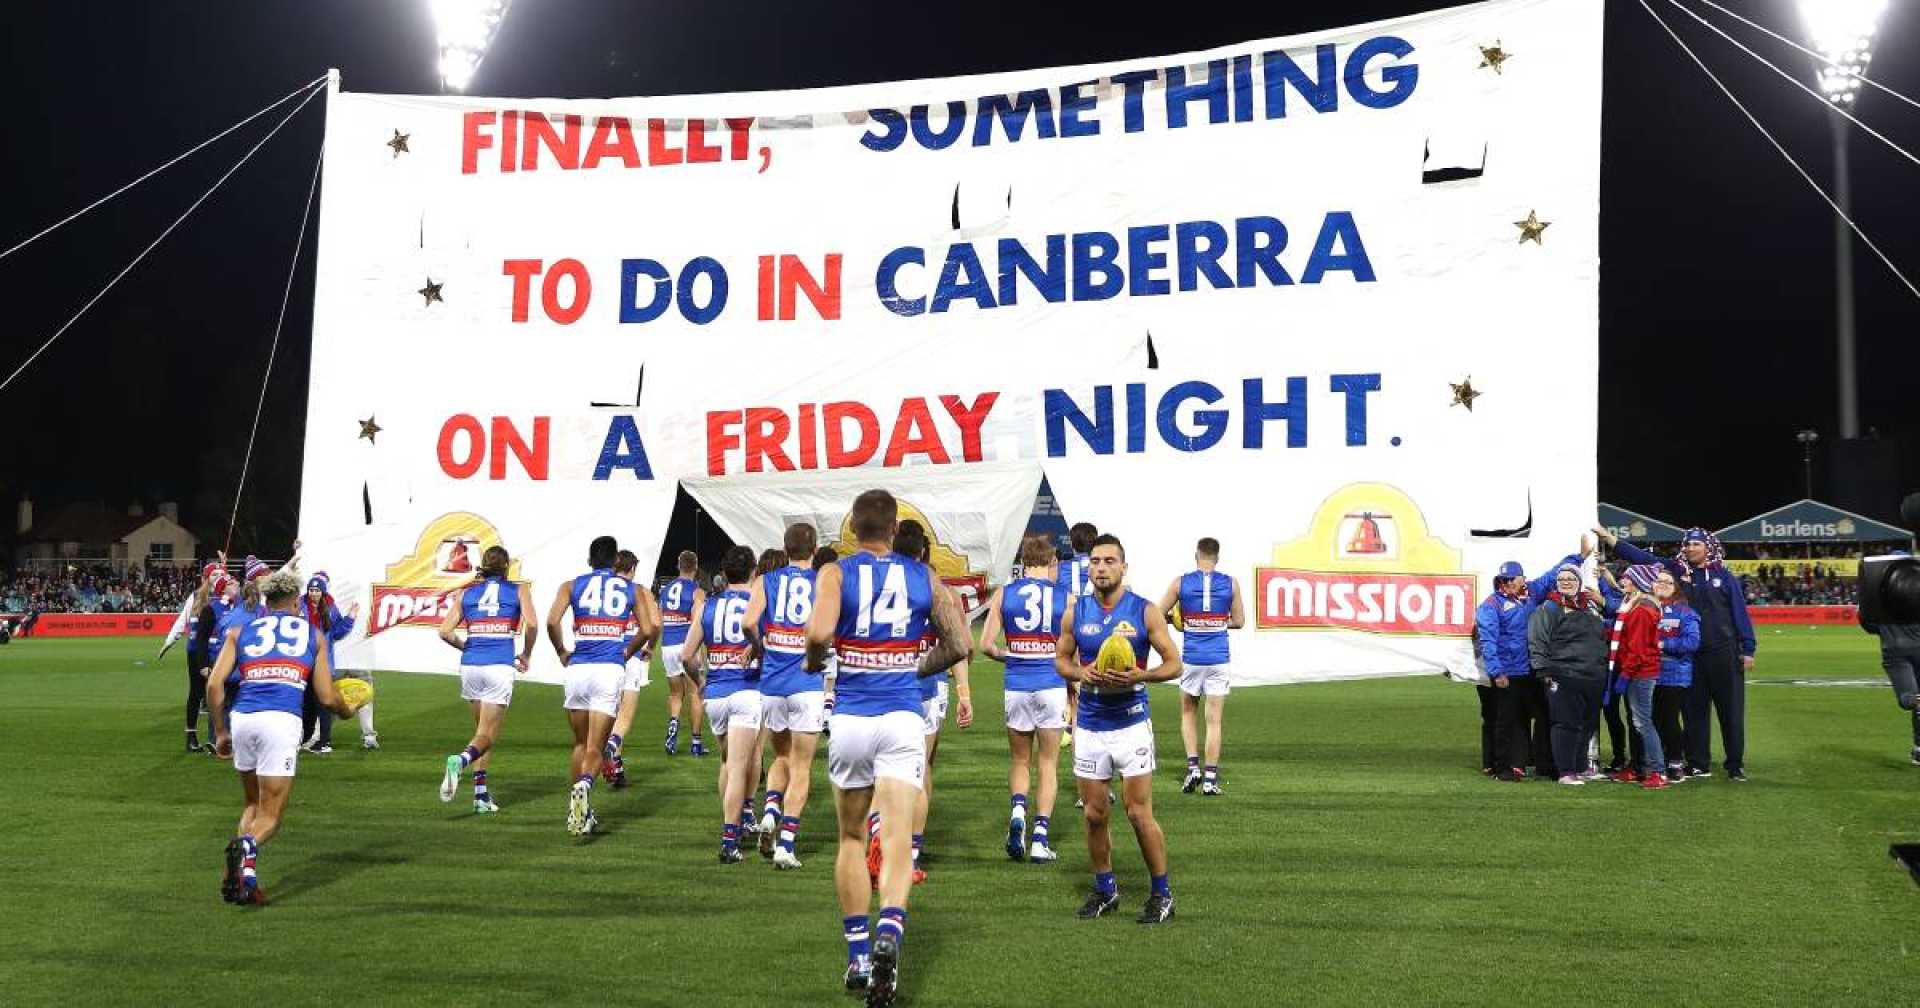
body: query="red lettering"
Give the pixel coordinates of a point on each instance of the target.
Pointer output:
(765, 305)
(473, 140)
(766, 431)
(550, 292)
(462, 423)
(719, 441)
(738, 137)
(564, 145)
(970, 419)
(915, 417)
(839, 456)
(532, 458)
(658, 153)
(809, 455)
(509, 139)
(612, 137)
(795, 277)
(522, 271)
(699, 151)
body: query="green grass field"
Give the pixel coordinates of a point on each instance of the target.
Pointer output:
(1357, 858)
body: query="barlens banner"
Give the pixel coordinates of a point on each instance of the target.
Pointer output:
(1330, 299)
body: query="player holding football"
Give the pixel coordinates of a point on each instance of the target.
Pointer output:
(277, 657)
(792, 699)
(717, 647)
(481, 624)
(872, 608)
(1115, 729)
(601, 602)
(1209, 604)
(679, 600)
(1030, 611)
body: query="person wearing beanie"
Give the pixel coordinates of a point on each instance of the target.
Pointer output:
(319, 610)
(1636, 660)
(1513, 715)
(1567, 647)
(1727, 646)
(1679, 639)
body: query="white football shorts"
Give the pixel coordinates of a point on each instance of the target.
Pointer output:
(799, 712)
(739, 710)
(639, 676)
(933, 711)
(595, 686)
(1098, 755)
(1205, 680)
(865, 747)
(487, 683)
(266, 743)
(1031, 710)
(670, 660)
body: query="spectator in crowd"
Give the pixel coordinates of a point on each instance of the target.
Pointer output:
(1636, 661)
(1679, 639)
(1513, 706)
(1726, 652)
(323, 614)
(1567, 646)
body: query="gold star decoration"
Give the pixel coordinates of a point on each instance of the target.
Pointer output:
(431, 292)
(368, 429)
(1492, 57)
(399, 143)
(1464, 394)
(1532, 228)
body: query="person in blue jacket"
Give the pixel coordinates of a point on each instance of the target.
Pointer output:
(1518, 735)
(1679, 639)
(1726, 651)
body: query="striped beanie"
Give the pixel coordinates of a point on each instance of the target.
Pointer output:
(1642, 575)
(255, 568)
(319, 581)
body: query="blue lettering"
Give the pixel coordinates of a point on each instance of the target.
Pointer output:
(924, 134)
(884, 281)
(1400, 79)
(1253, 254)
(1136, 418)
(962, 277)
(1198, 246)
(1321, 91)
(1095, 432)
(1214, 92)
(1072, 103)
(1133, 89)
(1356, 386)
(716, 274)
(1013, 116)
(623, 450)
(1258, 411)
(1142, 260)
(631, 270)
(1094, 253)
(1338, 227)
(1212, 422)
(1015, 262)
(894, 126)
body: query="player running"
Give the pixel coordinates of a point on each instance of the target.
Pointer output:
(778, 610)
(1030, 610)
(600, 602)
(276, 657)
(717, 647)
(872, 608)
(1209, 604)
(679, 600)
(636, 651)
(1115, 731)
(481, 624)
(912, 540)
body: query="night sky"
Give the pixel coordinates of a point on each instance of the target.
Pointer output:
(1717, 278)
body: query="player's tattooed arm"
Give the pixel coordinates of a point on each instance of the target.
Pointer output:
(990, 630)
(555, 614)
(953, 640)
(450, 623)
(1161, 640)
(826, 616)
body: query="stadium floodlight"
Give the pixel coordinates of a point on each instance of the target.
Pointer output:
(466, 28)
(1843, 32)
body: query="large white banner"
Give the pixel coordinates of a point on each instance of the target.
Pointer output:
(1331, 299)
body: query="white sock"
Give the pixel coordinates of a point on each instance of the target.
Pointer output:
(365, 714)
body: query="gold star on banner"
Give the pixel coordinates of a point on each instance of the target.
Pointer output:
(368, 429)
(1464, 394)
(431, 292)
(1492, 57)
(1532, 228)
(399, 143)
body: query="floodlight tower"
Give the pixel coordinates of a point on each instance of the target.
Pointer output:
(465, 28)
(1842, 31)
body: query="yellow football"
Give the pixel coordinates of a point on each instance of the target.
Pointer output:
(355, 691)
(1116, 654)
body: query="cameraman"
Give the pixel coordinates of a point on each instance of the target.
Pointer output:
(1900, 656)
